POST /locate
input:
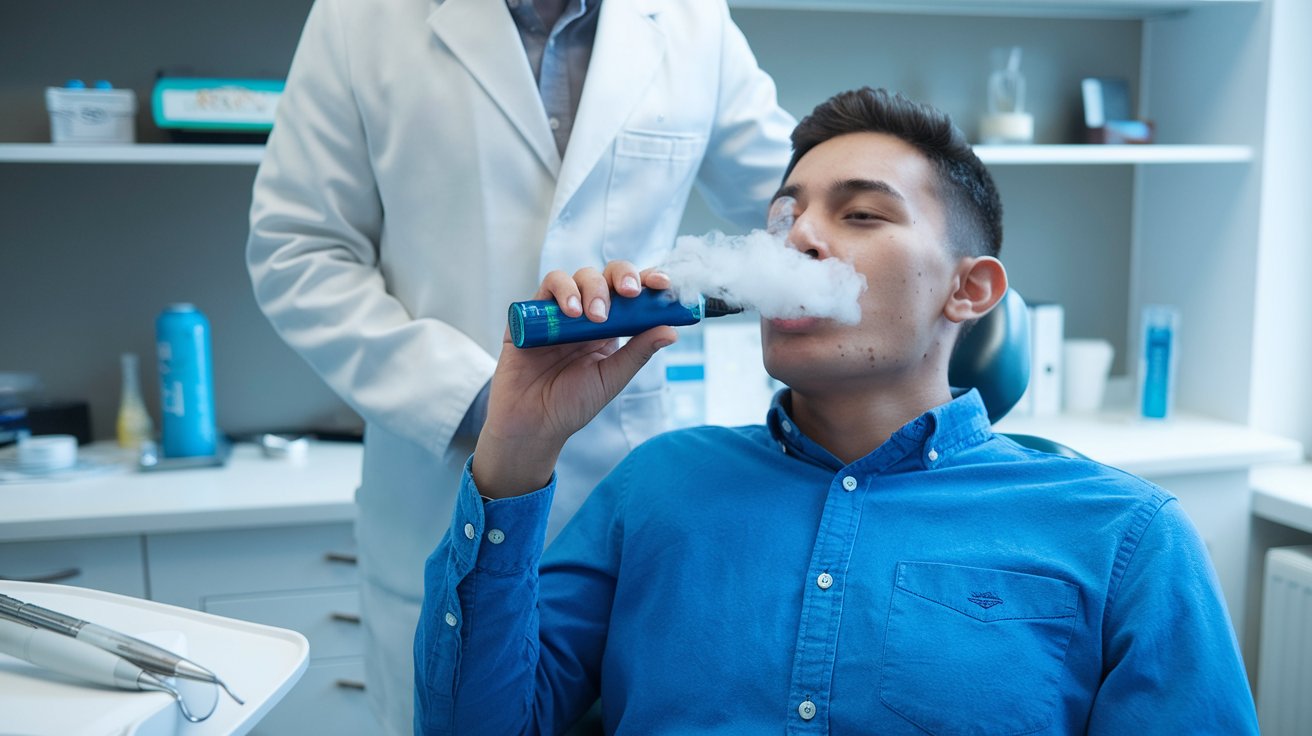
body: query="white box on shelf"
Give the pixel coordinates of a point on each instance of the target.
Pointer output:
(1047, 327)
(94, 116)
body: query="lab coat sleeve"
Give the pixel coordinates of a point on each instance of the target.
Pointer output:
(508, 642)
(313, 258)
(749, 144)
(1171, 661)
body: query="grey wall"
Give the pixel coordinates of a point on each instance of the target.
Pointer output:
(90, 254)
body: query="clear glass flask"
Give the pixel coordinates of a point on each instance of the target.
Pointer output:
(134, 426)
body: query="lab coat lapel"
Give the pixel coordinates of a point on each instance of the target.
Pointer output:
(482, 35)
(626, 53)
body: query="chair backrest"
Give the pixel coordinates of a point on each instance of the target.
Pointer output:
(994, 358)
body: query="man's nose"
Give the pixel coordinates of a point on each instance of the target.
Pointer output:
(807, 237)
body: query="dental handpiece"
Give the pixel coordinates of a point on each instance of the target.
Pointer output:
(73, 658)
(541, 322)
(58, 653)
(141, 653)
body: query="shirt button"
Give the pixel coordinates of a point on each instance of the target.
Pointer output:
(788, 426)
(450, 619)
(469, 531)
(554, 122)
(824, 581)
(849, 483)
(933, 455)
(806, 710)
(496, 536)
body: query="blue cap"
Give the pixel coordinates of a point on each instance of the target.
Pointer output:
(75, 84)
(102, 84)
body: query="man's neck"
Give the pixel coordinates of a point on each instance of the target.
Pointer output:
(851, 424)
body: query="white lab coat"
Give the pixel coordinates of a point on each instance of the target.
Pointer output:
(412, 189)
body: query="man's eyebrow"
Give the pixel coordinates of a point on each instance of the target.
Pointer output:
(790, 190)
(856, 186)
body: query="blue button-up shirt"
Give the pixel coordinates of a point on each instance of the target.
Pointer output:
(746, 581)
(558, 53)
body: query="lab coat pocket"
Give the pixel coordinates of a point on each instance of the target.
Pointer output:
(650, 178)
(971, 650)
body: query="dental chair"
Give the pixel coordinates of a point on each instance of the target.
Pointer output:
(994, 358)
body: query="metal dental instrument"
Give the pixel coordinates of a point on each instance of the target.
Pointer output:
(143, 654)
(78, 659)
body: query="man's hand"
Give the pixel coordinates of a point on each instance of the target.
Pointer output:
(542, 396)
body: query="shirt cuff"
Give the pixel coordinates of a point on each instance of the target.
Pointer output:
(501, 536)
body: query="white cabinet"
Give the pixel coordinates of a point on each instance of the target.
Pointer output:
(297, 577)
(113, 564)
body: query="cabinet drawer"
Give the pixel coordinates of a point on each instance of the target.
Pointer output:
(329, 619)
(322, 703)
(185, 569)
(112, 564)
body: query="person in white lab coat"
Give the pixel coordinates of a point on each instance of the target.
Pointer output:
(431, 160)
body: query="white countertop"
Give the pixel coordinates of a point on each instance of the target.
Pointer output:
(249, 491)
(1184, 444)
(1283, 493)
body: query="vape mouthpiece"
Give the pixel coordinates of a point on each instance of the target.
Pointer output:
(719, 308)
(540, 322)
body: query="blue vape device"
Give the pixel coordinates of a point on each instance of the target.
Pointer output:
(182, 341)
(541, 322)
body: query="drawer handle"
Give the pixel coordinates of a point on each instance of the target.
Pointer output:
(343, 557)
(50, 577)
(350, 618)
(350, 684)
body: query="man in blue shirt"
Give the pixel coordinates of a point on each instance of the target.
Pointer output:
(872, 560)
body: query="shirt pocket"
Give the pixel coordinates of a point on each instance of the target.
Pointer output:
(650, 178)
(972, 650)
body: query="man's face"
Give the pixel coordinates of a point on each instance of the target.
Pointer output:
(868, 199)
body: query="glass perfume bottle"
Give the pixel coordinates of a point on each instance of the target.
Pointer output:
(1006, 121)
(134, 426)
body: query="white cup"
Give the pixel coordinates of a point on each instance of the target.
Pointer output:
(47, 453)
(1086, 364)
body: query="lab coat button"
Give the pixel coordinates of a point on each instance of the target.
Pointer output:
(933, 455)
(469, 531)
(849, 483)
(496, 536)
(806, 710)
(824, 581)
(450, 619)
(554, 122)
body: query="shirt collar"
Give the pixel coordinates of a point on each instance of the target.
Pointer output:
(926, 441)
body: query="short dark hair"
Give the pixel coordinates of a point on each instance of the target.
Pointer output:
(971, 203)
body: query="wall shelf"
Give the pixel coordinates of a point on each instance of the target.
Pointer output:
(179, 153)
(139, 153)
(1009, 8)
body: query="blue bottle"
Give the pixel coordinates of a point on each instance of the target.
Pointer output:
(541, 322)
(182, 339)
(1157, 361)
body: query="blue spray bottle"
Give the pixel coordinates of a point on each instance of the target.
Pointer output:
(542, 322)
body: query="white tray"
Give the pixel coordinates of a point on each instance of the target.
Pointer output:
(260, 664)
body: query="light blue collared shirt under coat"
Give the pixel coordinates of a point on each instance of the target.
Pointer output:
(745, 581)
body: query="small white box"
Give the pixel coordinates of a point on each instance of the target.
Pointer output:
(92, 115)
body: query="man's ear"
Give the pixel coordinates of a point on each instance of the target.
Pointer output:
(980, 283)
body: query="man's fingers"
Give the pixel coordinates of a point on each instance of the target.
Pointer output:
(623, 278)
(560, 286)
(620, 368)
(595, 293)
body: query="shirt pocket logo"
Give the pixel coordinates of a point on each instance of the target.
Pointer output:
(972, 650)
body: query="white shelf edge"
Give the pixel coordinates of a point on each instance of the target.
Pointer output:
(1125, 154)
(1078, 9)
(136, 153)
(180, 153)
